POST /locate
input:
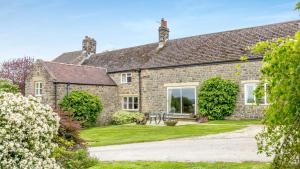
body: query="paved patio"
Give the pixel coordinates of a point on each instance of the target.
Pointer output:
(234, 146)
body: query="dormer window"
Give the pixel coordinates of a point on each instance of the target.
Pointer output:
(126, 78)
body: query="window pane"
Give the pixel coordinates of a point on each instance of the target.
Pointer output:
(130, 103)
(123, 78)
(125, 103)
(174, 98)
(128, 79)
(250, 93)
(136, 103)
(188, 100)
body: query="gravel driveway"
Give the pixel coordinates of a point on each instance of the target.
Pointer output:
(236, 146)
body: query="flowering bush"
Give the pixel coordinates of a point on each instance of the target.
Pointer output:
(124, 117)
(26, 131)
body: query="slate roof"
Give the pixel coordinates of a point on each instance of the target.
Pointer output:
(202, 49)
(69, 57)
(78, 74)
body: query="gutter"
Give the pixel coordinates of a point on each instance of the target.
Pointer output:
(140, 91)
(55, 95)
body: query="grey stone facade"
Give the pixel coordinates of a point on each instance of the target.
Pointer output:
(107, 94)
(153, 87)
(154, 91)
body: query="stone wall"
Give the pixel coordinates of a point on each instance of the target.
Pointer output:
(154, 93)
(126, 89)
(39, 74)
(107, 94)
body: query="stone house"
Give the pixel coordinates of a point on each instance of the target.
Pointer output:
(149, 78)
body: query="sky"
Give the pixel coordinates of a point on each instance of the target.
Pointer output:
(44, 29)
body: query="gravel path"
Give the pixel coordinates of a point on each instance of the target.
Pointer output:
(236, 146)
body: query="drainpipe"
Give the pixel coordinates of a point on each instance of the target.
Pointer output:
(68, 86)
(55, 95)
(140, 91)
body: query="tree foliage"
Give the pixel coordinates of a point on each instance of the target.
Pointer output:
(17, 71)
(7, 86)
(217, 98)
(281, 71)
(84, 106)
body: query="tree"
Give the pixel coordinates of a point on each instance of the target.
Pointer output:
(17, 71)
(8, 86)
(281, 72)
(297, 6)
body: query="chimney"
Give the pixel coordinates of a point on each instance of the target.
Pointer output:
(163, 32)
(88, 48)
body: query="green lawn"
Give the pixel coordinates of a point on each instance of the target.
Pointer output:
(122, 134)
(236, 122)
(179, 165)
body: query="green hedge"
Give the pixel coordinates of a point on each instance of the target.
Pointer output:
(217, 98)
(84, 106)
(124, 117)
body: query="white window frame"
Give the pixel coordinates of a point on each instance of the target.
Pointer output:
(246, 93)
(127, 75)
(127, 104)
(182, 87)
(38, 88)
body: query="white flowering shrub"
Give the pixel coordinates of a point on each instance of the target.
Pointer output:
(26, 131)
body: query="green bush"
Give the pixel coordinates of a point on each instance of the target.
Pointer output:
(8, 86)
(124, 117)
(217, 98)
(78, 159)
(84, 106)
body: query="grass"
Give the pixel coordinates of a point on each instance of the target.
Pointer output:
(123, 134)
(179, 165)
(235, 122)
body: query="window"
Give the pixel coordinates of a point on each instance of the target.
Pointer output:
(250, 98)
(38, 88)
(181, 100)
(126, 78)
(130, 103)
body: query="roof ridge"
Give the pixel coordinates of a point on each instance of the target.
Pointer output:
(239, 29)
(75, 65)
(205, 34)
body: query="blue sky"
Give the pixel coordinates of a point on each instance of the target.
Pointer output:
(44, 29)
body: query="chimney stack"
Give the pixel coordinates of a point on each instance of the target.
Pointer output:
(163, 31)
(88, 46)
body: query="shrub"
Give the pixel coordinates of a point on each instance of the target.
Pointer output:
(217, 97)
(78, 159)
(84, 106)
(7, 86)
(171, 122)
(26, 131)
(123, 117)
(68, 132)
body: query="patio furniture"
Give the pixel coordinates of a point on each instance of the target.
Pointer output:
(155, 116)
